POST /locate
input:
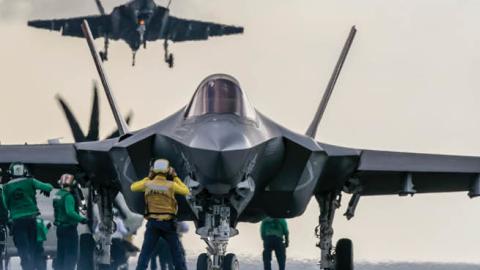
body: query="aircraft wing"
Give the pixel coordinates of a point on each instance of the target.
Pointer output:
(99, 24)
(47, 162)
(178, 30)
(384, 172)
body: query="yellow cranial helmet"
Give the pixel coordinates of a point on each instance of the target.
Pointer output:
(160, 166)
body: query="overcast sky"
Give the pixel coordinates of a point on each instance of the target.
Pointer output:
(410, 84)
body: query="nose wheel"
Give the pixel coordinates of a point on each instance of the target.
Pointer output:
(204, 262)
(229, 262)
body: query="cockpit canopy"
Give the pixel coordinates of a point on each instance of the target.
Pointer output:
(220, 94)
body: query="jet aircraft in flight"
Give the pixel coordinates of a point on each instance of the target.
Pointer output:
(241, 166)
(138, 22)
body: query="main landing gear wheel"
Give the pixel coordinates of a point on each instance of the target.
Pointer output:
(344, 255)
(204, 262)
(230, 262)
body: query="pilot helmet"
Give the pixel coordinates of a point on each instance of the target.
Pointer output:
(160, 166)
(18, 169)
(66, 180)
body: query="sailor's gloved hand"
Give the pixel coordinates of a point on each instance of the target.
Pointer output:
(287, 243)
(84, 221)
(45, 193)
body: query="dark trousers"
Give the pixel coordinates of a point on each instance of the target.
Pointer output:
(155, 230)
(67, 247)
(25, 239)
(119, 253)
(274, 243)
(164, 255)
(40, 259)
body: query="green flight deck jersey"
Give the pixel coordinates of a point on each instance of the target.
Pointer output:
(3, 208)
(20, 196)
(65, 210)
(274, 227)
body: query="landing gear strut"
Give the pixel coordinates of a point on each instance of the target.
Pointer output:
(215, 221)
(340, 258)
(168, 56)
(104, 53)
(134, 54)
(216, 232)
(106, 227)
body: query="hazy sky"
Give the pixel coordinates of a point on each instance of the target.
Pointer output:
(410, 83)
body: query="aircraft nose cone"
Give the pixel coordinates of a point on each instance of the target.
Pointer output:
(220, 136)
(218, 171)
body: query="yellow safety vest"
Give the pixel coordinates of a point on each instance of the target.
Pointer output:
(160, 202)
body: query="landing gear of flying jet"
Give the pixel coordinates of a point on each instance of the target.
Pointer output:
(340, 258)
(104, 53)
(134, 53)
(169, 59)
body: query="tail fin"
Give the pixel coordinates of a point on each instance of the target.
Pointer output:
(121, 124)
(94, 126)
(77, 132)
(312, 129)
(100, 7)
(93, 129)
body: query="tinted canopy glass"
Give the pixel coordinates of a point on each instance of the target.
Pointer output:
(220, 94)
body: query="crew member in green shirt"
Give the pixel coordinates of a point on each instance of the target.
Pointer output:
(20, 199)
(3, 220)
(42, 231)
(67, 218)
(274, 233)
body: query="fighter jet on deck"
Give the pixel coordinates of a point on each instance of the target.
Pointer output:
(241, 166)
(138, 22)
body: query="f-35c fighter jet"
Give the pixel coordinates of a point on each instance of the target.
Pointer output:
(138, 22)
(241, 166)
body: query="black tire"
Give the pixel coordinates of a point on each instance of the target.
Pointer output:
(203, 262)
(344, 255)
(230, 262)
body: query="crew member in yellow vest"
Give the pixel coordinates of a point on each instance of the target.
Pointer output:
(160, 188)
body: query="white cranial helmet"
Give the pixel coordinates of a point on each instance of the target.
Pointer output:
(160, 166)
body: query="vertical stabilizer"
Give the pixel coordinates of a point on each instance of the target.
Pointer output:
(100, 7)
(312, 129)
(120, 121)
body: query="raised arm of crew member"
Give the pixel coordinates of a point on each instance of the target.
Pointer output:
(178, 186)
(45, 188)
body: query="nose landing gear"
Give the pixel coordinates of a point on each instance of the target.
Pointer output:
(216, 232)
